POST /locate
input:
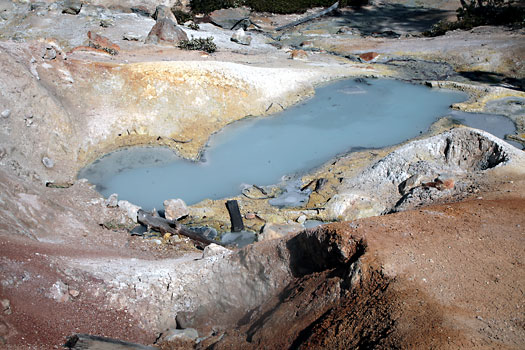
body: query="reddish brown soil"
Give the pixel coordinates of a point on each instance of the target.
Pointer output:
(446, 276)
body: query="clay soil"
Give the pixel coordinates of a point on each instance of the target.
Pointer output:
(447, 276)
(444, 276)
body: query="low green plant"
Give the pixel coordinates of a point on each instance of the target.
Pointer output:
(181, 16)
(203, 44)
(474, 13)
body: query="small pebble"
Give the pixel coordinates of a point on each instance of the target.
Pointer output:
(74, 293)
(48, 162)
(6, 113)
(250, 216)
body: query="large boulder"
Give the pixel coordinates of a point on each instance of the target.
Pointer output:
(228, 18)
(165, 29)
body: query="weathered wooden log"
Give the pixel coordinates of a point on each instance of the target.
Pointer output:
(94, 342)
(167, 226)
(235, 216)
(309, 18)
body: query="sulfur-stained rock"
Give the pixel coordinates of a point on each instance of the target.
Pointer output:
(298, 55)
(369, 57)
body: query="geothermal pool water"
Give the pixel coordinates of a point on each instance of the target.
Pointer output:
(341, 116)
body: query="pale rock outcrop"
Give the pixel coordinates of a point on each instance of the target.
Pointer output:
(130, 209)
(420, 172)
(175, 209)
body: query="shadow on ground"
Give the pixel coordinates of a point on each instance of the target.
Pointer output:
(495, 79)
(394, 17)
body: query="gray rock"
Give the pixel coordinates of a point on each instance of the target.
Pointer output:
(175, 209)
(240, 37)
(112, 201)
(131, 37)
(410, 183)
(274, 231)
(72, 7)
(6, 306)
(214, 250)
(165, 29)
(130, 208)
(107, 22)
(301, 219)
(6, 113)
(48, 162)
(176, 334)
(228, 18)
(49, 53)
(164, 12)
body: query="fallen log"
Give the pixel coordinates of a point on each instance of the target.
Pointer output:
(94, 342)
(167, 226)
(309, 18)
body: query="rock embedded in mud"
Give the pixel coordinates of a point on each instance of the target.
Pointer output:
(240, 37)
(175, 209)
(131, 209)
(177, 335)
(49, 53)
(48, 162)
(6, 306)
(59, 292)
(369, 57)
(214, 250)
(112, 201)
(298, 55)
(275, 231)
(131, 37)
(6, 113)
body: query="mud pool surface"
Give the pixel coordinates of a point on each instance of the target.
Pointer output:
(341, 116)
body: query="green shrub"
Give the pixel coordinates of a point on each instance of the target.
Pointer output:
(181, 16)
(474, 13)
(203, 44)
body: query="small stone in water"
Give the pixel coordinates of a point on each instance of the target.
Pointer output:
(48, 162)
